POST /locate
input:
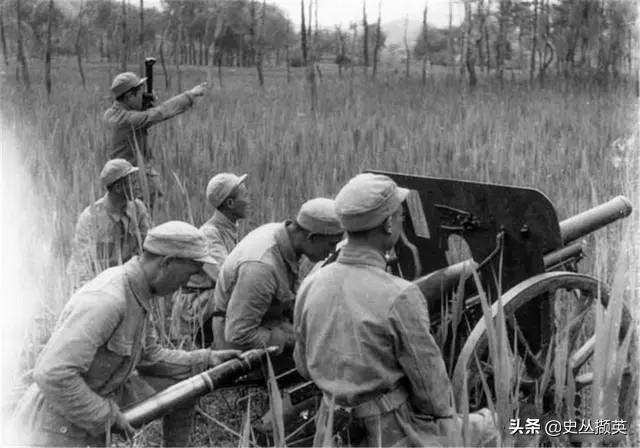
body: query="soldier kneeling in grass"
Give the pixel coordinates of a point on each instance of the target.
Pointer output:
(111, 230)
(104, 354)
(256, 286)
(363, 336)
(190, 320)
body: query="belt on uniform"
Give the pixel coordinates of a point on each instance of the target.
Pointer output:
(219, 314)
(381, 404)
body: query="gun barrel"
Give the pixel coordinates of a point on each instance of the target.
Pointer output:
(163, 402)
(595, 218)
(558, 257)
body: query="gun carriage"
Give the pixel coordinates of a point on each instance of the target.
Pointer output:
(520, 258)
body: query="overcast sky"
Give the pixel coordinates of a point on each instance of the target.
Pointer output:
(342, 12)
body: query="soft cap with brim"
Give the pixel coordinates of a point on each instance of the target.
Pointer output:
(114, 170)
(366, 200)
(220, 187)
(319, 216)
(178, 239)
(124, 82)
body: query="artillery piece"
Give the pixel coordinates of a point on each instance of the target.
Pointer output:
(522, 254)
(519, 252)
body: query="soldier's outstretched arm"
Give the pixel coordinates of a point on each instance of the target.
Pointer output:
(156, 114)
(419, 355)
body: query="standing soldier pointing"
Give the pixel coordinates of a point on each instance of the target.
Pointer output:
(129, 122)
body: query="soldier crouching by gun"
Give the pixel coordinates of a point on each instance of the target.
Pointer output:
(133, 113)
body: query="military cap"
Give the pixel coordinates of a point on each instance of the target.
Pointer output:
(220, 187)
(124, 82)
(319, 216)
(115, 169)
(178, 239)
(366, 200)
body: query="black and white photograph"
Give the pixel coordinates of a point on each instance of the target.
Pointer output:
(336, 223)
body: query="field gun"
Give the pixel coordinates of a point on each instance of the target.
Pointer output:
(444, 280)
(220, 376)
(512, 234)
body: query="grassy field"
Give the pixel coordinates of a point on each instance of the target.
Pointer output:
(575, 143)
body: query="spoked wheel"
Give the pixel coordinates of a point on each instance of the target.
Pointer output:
(554, 373)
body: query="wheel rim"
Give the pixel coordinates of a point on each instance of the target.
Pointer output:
(576, 327)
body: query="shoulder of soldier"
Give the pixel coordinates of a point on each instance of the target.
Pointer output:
(105, 292)
(92, 211)
(141, 207)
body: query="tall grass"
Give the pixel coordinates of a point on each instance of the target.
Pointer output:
(559, 139)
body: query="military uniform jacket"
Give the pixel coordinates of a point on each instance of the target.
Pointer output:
(129, 128)
(255, 289)
(361, 332)
(103, 335)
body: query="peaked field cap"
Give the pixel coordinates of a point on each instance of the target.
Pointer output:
(178, 239)
(366, 200)
(115, 169)
(319, 216)
(125, 81)
(221, 185)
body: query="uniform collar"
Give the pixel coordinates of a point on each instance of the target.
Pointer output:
(139, 283)
(116, 215)
(283, 241)
(358, 254)
(222, 222)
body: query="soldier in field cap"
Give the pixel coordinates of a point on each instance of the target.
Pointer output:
(129, 123)
(111, 230)
(363, 336)
(256, 286)
(227, 194)
(104, 355)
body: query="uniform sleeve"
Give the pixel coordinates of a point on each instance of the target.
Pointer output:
(86, 255)
(217, 250)
(250, 300)
(145, 118)
(67, 357)
(419, 355)
(163, 362)
(299, 328)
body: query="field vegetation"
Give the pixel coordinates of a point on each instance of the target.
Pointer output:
(575, 142)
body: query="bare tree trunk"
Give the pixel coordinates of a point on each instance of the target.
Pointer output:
(534, 42)
(124, 37)
(286, 55)
(167, 80)
(141, 37)
(482, 18)
(47, 54)
(79, 44)
(545, 61)
(450, 38)
(406, 48)
(2, 36)
(179, 45)
(365, 38)
(21, 57)
(425, 43)
(503, 8)
(303, 35)
(309, 70)
(376, 49)
(487, 43)
(261, 45)
(469, 58)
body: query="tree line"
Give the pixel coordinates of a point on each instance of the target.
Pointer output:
(574, 38)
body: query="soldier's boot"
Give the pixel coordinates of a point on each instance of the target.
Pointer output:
(178, 426)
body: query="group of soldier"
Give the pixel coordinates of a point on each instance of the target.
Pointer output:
(359, 333)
